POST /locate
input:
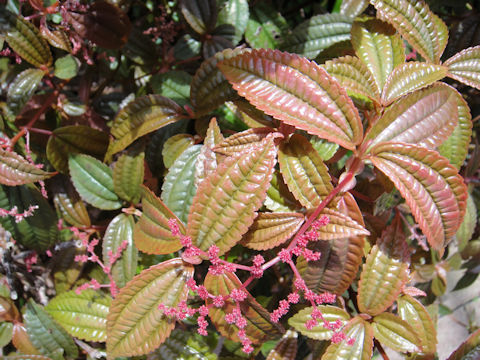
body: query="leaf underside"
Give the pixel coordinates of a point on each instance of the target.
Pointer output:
(465, 66)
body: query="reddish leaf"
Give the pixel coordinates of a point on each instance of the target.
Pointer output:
(207, 160)
(243, 140)
(339, 226)
(465, 66)
(286, 348)
(200, 15)
(15, 170)
(468, 349)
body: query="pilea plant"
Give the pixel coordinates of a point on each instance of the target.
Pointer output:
(304, 185)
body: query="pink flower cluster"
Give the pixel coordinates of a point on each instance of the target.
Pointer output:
(18, 216)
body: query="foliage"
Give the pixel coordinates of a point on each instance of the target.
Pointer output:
(226, 178)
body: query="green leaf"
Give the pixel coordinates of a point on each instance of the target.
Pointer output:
(385, 271)
(186, 47)
(395, 333)
(179, 187)
(209, 87)
(359, 330)
(135, 324)
(469, 223)
(265, 26)
(318, 332)
(207, 160)
(25, 39)
(46, 334)
(22, 341)
(66, 67)
(279, 198)
(424, 30)
(71, 207)
(94, 181)
(75, 139)
(314, 102)
(66, 270)
(6, 333)
(140, 117)
(128, 174)
(325, 149)
(317, 33)
(414, 313)
(174, 85)
(465, 66)
(225, 203)
(353, 75)
(379, 47)
(353, 8)
(15, 170)
(431, 187)
(241, 141)
(152, 233)
(174, 147)
(118, 231)
(259, 327)
(469, 349)
(236, 14)
(200, 15)
(22, 88)
(272, 229)
(37, 232)
(82, 315)
(425, 117)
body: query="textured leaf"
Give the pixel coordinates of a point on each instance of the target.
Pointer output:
(56, 38)
(379, 47)
(46, 334)
(353, 8)
(362, 332)
(82, 315)
(339, 226)
(142, 116)
(6, 333)
(465, 66)
(430, 185)
(174, 85)
(242, 141)
(219, 40)
(22, 341)
(455, 148)
(325, 149)
(15, 170)
(25, 39)
(152, 234)
(395, 333)
(224, 207)
(296, 91)
(424, 30)
(8, 310)
(236, 14)
(279, 198)
(119, 230)
(286, 348)
(259, 327)
(249, 114)
(37, 232)
(179, 186)
(207, 160)
(469, 223)
(353, 75)
(272, 229)
(385, 271)
(75, 139)
(209, 87)
(174, 147)
(71, 207)
(414, 313)
(23, 87)
(426, 118)
(66, 67)
(200, 15)
(128, 174)
(410, 76)
(135, 324)
(265, 26)
(318, 332)
(317, 33)
(94, 181)
(469, 349)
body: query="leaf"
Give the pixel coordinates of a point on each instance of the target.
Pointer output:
(313, 101)
(325, 149)
(395, 333)
(331, 314)
(6, 333)
(75, 139)
(410, 76)
(425, 117)
(219, 40)
(46, 334)
(250, 115)
(468, 225)
(66, 270)
(353, 8)
(209, 87)
(385, 271)
(179, 186)
(414, 313)
(317, 33)
(152, 234)
(22, 88)
(339, 226)
(119, 230)
(424, 30)
(465, 66)
(175, 146)
(26, 357)
(279, 198)
(135, 324)
(272, 229)
(362, 332)
(94, 181)
(265, 26)
(71, 207)
(353, 75)
(66, 67)
(128, 173)
(259, 327)
(15, 170)
(304, 172)
(236, 14)
(242, 141)
(286, 348)
(379, 47)
(8, 310)
(174, 85)
(225, 203)
(56, 38)
(431, 187)
(469, 349)
(207, 160)
(25, 39)
(140, 117)
(22, 341)
(82, 315)
(200, 15)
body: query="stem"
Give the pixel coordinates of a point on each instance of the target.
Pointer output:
(381, 350)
